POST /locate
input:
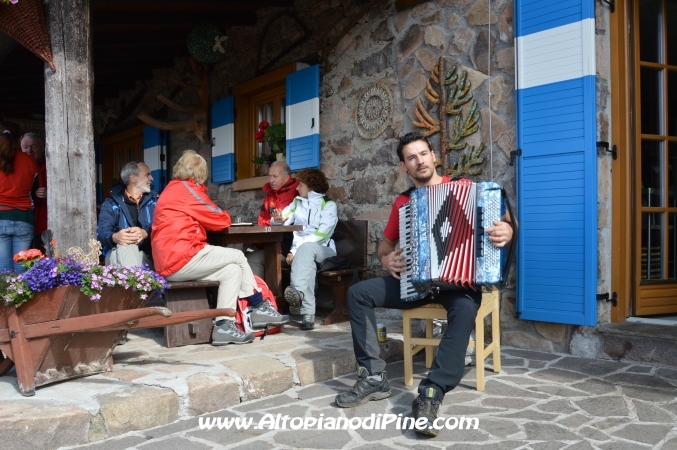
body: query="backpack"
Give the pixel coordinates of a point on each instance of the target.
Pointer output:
(337, 263)
(243, 319)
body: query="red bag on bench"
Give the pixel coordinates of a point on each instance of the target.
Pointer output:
(243, 318)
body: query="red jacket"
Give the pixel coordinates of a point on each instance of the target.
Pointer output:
(277, 199)
(183, 215)
(15, 188)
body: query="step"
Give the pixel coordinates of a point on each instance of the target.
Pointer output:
(642, 342)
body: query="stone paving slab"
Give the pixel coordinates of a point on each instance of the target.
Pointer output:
(152, 387)
(587, 410)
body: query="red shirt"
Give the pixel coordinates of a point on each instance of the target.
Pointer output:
(392, 229)
(15, 188)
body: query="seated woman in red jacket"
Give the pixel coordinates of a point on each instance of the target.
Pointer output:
(183, 215)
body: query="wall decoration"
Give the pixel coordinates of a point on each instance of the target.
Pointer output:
(374, 110)
(451, 93)
(205, 44)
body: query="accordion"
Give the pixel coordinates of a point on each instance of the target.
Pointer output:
(443, 239)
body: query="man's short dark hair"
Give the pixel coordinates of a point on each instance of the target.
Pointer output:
(408, 139)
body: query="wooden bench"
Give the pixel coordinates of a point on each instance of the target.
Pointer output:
(350, 237)
(183, 296)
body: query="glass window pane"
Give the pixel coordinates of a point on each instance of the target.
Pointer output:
(652, 156)
(672, 102)
(650, 26)
(671, 35)
(672, 174)
(652, 246)
(651, 100)
(672, 243)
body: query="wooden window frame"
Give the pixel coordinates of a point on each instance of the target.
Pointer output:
(246, 96)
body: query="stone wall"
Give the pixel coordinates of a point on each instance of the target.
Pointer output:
(399, 49)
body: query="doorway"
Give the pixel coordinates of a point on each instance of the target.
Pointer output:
(118, 150)
(644, 114)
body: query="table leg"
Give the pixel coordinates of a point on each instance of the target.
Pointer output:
(272, 267)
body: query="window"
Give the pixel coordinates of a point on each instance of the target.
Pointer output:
(256, 100)
(288, 95)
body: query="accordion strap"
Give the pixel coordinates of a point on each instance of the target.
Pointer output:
(513, 242)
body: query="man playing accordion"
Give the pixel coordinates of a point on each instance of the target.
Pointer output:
(418, 160)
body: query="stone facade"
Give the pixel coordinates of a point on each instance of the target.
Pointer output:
(399, 49)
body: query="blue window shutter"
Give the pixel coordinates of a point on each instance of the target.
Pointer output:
(154, 145)
(303, 118)
(223, 140)
(557, 169)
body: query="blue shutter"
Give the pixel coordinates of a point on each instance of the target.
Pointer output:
(223, 140)
(303, 118)
(154, 146)
(557, 170)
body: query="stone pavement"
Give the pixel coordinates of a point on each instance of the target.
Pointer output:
(151, 385)
(540, 401)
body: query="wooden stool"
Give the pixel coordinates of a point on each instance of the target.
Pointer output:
(188, 296)
(432, 311)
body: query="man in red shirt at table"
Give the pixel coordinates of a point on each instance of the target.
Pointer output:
(280, 192)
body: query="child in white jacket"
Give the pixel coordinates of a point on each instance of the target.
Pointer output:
(318, 215)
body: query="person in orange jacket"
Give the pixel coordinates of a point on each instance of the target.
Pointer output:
(280, 192)
(183, 215)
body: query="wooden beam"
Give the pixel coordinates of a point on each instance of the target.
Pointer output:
(182, 17)
(156, 27)
(213, 6)
(69, 125)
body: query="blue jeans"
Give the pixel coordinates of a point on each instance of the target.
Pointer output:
(15, 236)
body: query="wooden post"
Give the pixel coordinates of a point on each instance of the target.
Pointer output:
(71, 178)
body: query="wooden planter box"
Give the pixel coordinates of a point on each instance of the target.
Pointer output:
(62, 334)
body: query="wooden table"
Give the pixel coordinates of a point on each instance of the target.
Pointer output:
(270, 237)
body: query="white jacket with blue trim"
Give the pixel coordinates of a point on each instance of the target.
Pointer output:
(318, 214)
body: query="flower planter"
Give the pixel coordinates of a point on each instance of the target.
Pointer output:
(62, 334)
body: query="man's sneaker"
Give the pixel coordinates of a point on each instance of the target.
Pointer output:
(228, 333)
(308, 322)
(365, 389)
(265, 314)
(425, 406)
(294, 298)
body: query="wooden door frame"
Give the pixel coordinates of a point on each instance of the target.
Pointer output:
(622, 209)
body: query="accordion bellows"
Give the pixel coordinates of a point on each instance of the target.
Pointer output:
(443, 239)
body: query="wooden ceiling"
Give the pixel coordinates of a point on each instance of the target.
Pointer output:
(130, 39)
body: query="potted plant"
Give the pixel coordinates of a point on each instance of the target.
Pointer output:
(274, 136)
(62, 317)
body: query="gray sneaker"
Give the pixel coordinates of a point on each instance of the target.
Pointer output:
(265, 314)
(365, 389)
(228, 333)
(308, 322)
(294, 298)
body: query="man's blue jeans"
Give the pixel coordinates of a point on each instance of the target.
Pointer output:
(15, 236)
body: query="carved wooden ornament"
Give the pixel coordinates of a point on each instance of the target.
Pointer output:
(374, 110)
